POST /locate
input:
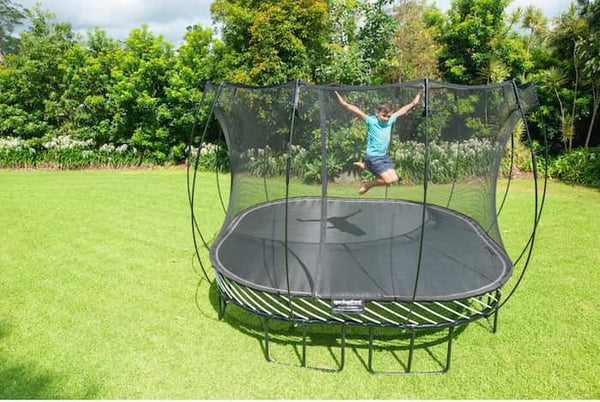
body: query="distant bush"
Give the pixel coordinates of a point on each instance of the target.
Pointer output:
(581, 166)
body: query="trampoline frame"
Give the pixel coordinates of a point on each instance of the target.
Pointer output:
(417, 316)
(312, 311)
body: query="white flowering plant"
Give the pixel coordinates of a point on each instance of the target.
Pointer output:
(209, 157)
(63, 152)
(447, 160)
(16, 153)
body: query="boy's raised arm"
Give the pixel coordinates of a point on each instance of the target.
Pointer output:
(354, 109)
(408, 106)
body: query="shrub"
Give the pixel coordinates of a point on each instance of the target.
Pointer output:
(16, 153)
(212, 157)
(63, 152)
(581, 166)
(448, 161)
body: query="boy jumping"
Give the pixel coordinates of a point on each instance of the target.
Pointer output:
(379, 128)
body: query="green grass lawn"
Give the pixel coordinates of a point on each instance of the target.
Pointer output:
(99, 299)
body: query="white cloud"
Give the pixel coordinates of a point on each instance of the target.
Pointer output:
(167, 17)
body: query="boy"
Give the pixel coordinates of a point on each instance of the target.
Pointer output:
(379, 128)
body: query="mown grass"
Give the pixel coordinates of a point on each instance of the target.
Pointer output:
(100, 299)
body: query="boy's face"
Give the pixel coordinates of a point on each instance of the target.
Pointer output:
(384, 117)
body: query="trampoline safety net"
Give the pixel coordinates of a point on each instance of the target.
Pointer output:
(296, 225)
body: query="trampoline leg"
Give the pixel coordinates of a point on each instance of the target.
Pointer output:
(266, 327)
(370, 360)
(410, 352)
(495, 326)
(326, 369)
(303, 345)
(222, 306)
(303, 362)
(449, 352)
(343, 356)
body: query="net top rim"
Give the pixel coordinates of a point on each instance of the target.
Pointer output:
(418, 83)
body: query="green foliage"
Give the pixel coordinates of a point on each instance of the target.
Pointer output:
(210, 157)
(448, 161)
(376, 39)
(64, 152)
(475, 39)
(139, 94)
(580, 166)
(416, 49)
(518, 154)
(33, 81)
(272, 42)
(361, 49)
(144, 94)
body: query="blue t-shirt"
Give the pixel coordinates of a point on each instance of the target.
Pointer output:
(378, 135)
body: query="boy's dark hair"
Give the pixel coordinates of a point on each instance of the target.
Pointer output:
(384, 107)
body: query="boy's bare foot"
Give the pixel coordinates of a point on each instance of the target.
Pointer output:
(360, 165)
(363, 189)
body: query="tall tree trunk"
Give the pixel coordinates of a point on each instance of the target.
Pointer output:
(562, 116)
(594, 112)
(574, 94)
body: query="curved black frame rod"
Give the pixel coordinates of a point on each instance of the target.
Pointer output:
(192, 188)
(424, 214)
(287, 192)
(539, 204)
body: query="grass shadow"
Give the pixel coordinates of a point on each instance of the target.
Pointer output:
(19, 380)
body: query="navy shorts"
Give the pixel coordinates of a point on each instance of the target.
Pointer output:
(378, 164)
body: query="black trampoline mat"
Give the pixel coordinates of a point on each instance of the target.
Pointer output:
(365, 249)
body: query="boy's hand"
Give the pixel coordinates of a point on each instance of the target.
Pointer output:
(417, 99)
(340, 99)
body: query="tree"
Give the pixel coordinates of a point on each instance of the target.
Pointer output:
(85, 102)
(416, 49)
(142, 114)
(270, 42)
(566, 40)
(361, 48)
(195, 65)
(535, 21)
(495, 71)
(11, 16)
(33, 81)
(376, 39)
(342, 61)
(590, 55)
(555, 80)
(473, 35)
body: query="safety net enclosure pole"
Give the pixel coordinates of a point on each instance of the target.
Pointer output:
(312, 234)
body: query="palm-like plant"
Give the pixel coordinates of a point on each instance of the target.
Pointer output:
(568, 130)
(494, 72)
(535, 21)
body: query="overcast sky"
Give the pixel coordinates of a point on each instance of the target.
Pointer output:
(171, 17)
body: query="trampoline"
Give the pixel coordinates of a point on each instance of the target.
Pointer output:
(298, 244)
(352, 253)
